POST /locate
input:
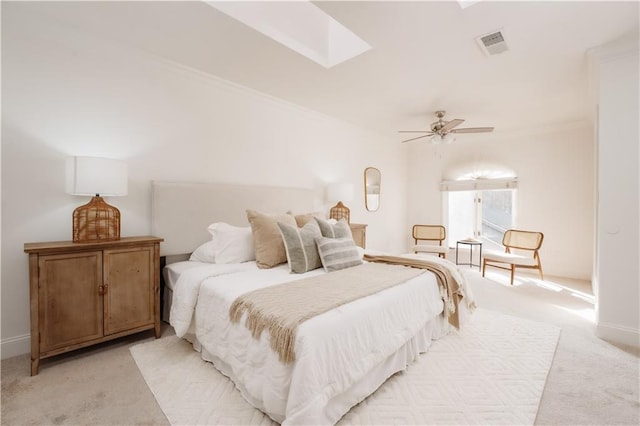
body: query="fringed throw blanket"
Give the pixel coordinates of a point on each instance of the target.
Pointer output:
(309, 297)
(450, 289)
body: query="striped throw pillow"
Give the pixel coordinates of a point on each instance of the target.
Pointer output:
(340, 229)
(338, 253)
(300, 246)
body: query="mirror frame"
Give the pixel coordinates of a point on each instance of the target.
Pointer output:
(371, 208)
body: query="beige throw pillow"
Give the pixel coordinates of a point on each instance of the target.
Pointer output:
(267, 240)
(302, 219)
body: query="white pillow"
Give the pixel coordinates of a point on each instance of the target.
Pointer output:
(205, 253)
(234, 244)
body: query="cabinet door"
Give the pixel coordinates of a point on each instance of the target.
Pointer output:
(129, 289)
(70, 309)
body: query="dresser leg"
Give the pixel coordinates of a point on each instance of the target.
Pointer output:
(35, 365)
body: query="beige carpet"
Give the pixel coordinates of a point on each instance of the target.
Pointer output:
(493, 372)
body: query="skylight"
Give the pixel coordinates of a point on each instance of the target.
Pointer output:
(466, 3)
(299, 25)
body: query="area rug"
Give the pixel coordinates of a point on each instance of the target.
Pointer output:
(491, 372)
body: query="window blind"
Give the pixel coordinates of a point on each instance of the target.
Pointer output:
(478, 184)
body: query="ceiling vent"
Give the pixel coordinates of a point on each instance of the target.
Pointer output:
(492, 43)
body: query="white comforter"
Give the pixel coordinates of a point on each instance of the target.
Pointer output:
(187, 286)
(333, 350)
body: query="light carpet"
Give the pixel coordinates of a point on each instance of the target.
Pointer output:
(491, 372)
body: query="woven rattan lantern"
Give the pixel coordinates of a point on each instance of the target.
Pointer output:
(91, 176)
(340, 192)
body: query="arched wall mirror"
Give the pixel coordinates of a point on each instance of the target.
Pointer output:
(372, 180)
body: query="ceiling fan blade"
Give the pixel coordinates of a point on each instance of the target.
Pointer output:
(414, 131)
(419, 137)
(451, 124)
(473, 130)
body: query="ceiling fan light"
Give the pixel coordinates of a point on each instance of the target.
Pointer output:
(445, 139)
(444, 132)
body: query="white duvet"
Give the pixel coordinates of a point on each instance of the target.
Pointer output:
(334, 350)
(186, 289)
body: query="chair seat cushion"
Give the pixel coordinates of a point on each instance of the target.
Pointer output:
(511, 258)
(427, 248)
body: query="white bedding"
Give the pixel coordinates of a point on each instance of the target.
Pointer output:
(186, 292)
(335, 351)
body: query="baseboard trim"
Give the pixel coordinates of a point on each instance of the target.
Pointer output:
(14, 346)
(618, 334)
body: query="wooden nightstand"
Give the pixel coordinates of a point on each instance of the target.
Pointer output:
(86, 293)
(359, 232)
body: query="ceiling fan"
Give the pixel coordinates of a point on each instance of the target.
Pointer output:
(442, 131)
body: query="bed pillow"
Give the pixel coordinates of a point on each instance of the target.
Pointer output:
(269, 247)
(205, 253)
(340, 229)
(302, 219)
(233, 244)
(338, 253)
(300, 246)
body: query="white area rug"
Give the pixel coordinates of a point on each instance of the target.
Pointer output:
(492, 372)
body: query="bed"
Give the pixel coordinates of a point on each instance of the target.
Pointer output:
(341, 355)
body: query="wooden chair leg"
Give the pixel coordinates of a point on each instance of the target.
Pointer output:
(540, 270)
(484, 266)
(513, 270)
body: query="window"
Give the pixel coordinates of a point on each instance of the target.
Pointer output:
(479, 208)
(497, 213)
(484, 215)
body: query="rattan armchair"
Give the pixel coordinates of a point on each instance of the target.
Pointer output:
(520, 251)
(426, 237)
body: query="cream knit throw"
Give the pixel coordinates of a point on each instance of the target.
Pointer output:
(309, 297)
(450, 289)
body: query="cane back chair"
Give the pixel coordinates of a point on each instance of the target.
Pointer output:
(520, 251)
(426, 237)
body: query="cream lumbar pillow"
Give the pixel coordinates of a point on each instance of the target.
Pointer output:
(300, 245)
(267, 241)
(339, 229)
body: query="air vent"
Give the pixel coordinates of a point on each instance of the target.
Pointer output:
(492, 43)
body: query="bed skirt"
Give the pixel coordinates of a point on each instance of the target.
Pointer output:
(167, 297)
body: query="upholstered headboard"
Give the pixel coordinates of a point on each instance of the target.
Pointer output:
(181, 211)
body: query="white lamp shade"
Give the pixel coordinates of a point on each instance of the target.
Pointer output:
(93, 175)
(340, 192)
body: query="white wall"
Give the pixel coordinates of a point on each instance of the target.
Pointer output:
(66, 93)
(617, 270)
(555, 170)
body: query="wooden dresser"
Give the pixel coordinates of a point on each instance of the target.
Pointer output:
(359, 232)
(86, 293)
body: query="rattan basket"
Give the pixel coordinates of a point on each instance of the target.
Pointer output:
(96, 221)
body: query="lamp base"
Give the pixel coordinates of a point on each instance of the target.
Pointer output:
(96, 221)
(340, 211)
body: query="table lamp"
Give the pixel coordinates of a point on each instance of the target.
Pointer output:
(340, 192)
(93, 176)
